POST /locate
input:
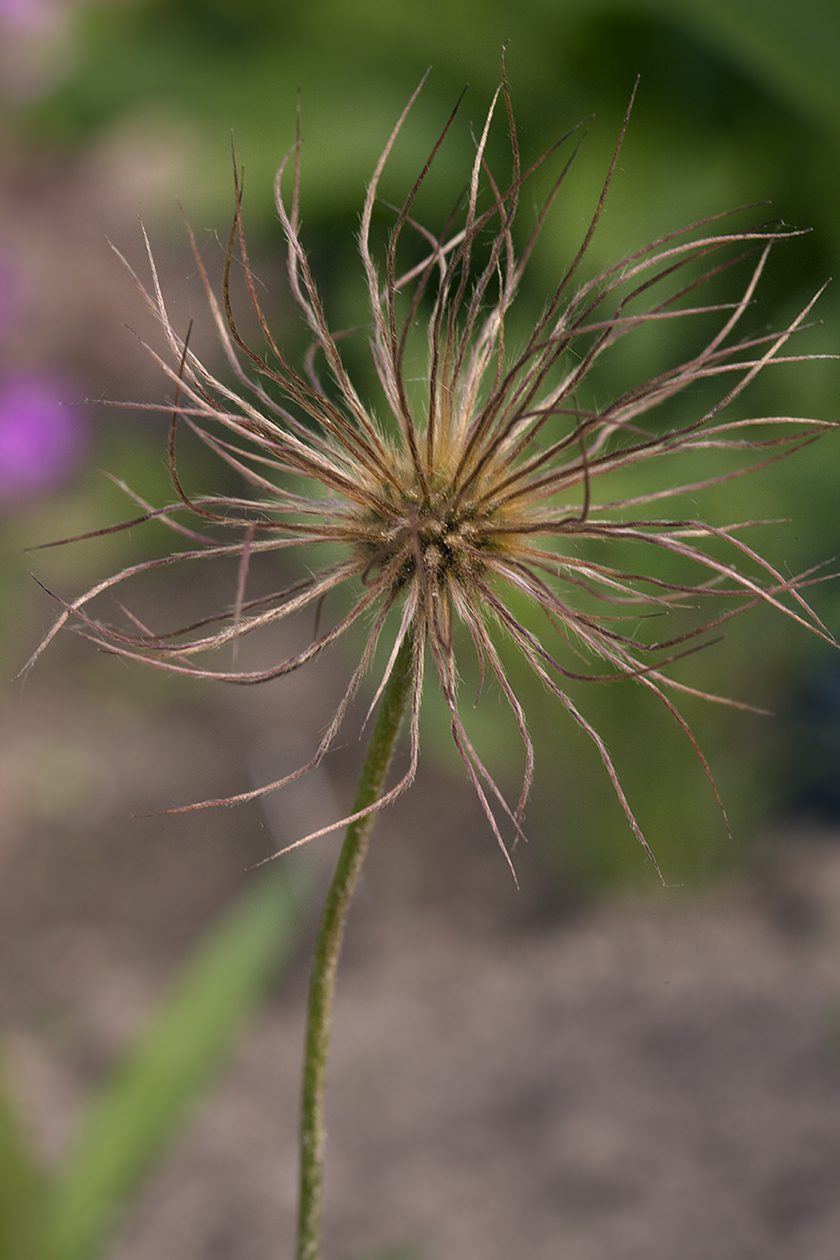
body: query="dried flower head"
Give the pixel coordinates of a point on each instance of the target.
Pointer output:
(474, 497)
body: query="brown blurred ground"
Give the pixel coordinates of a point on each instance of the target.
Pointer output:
(644, 1077)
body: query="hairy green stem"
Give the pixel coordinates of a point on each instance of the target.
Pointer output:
(392, 709)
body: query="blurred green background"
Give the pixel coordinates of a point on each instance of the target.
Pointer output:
(117, 109)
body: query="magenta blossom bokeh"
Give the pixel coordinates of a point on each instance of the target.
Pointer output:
(42, 442)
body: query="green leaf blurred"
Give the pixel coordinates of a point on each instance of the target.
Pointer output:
(130, 1121)
(793, 48)
(23, 1186)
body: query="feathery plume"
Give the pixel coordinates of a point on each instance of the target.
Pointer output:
(462, 507)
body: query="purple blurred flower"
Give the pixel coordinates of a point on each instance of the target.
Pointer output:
(41, 442)
(36, 45)
(30, 15)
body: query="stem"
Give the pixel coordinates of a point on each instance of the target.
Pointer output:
(328, 948)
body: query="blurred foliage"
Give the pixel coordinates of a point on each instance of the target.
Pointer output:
(128, 1123)
(739, 102)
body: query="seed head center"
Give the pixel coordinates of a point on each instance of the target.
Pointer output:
(431, 536)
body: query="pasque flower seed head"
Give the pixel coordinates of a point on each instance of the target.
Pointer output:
(455, 504)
